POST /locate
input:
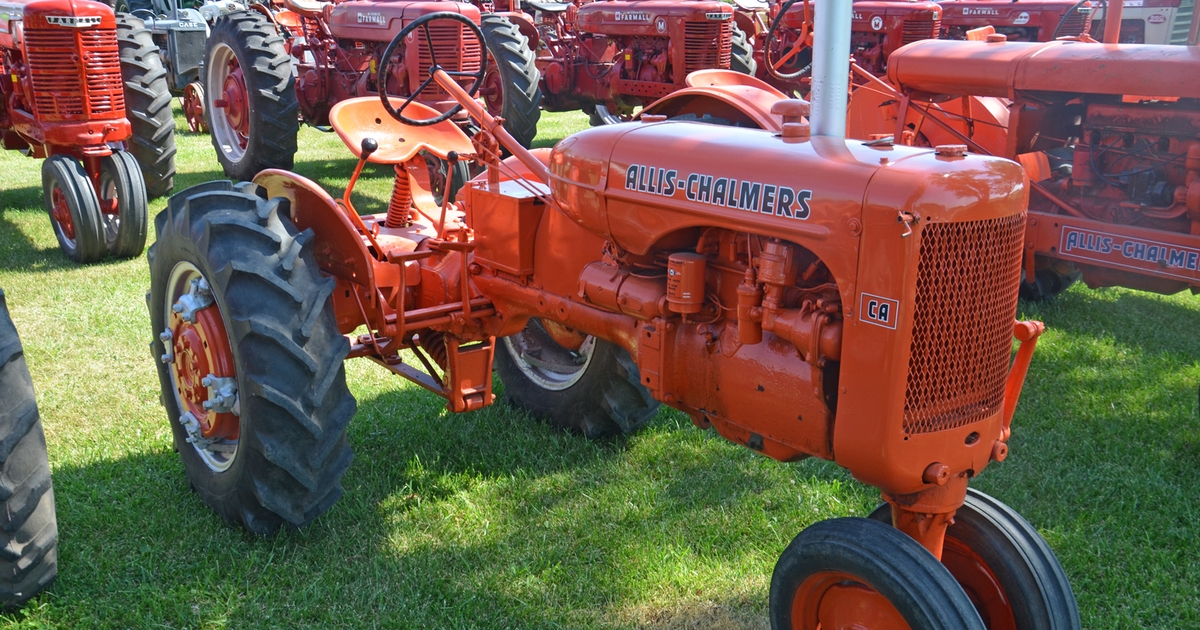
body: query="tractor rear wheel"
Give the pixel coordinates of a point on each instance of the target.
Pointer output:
(742, 59)
(73, 207)
(511, 85)
(855, 572)
(122, 197)
(251, 108)
(147, 105)
(1008, 571)
(28, 527)
(251, 357)
(593, 388)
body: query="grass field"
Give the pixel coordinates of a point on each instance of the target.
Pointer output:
(492, 520)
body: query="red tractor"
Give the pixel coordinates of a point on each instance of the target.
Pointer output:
(265, 69)
(1018, 20)
(73, 72)
(610, 57)
(784, 48)
(813, 297)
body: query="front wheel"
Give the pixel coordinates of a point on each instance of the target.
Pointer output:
(74, 210)
(848, 573)
(573, 381)
(250, 357)
(122, 198)
(511, 86)
(1008, 571)
(251, 105)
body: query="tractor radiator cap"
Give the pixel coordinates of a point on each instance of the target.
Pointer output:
(950, 150)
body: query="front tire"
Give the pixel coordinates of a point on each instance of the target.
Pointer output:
(512, 77)
(122, 196)
(248, 72)
(1007, 570)
(846, 571)
(74, 210)
(260, 422)
(28, 527)
(593, 389)
(147, 105)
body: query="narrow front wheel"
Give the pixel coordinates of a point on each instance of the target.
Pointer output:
(74, 209)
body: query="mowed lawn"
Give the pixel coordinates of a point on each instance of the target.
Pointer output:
(492, 520)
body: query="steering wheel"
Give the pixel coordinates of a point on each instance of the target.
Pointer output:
(802, 42)
(386, 63)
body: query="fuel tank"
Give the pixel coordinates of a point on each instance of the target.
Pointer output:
(649, 18)
(1002, 69)
(371, 21)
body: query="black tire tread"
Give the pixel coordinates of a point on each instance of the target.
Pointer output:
(28, 527)
(292, 384)
(270, 86)
(522, 82)
(742, 59)
(147, 105)
(73, 180)
(896, 566)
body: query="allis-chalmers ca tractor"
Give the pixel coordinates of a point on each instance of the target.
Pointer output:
(72, 73)
(815, 297)
(609, 57)
(1110, 136)
(1018, 20)
(783, 36)
(267, 66)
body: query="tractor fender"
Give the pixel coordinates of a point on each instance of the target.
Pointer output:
(339, 249)
(525, 25)
(741, 106)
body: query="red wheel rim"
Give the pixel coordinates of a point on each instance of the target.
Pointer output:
(832, 600)
(193, 107)
(492, 90)
(61, 212)
(980, 584)
(236, 102)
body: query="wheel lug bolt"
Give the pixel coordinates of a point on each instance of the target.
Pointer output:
(206, 381)
(168, 357)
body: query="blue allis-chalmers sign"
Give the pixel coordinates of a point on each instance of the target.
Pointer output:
(1130, 253)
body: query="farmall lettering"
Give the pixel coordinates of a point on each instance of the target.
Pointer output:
(371, 17)
(632, 16)
(980, 11)
(724, 192)
(1131, 253)
(879, 310)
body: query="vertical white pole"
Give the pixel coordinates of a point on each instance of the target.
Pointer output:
(831, 66)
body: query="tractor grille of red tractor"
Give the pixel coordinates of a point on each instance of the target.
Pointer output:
(707, 45)
(455, 49)
(1076, 24)
(917, 30)
(967, 281)
(76, 73)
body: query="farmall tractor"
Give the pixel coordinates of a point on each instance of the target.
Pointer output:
(1018, 20)
(80, 85)
(816, 297)
(610, 57)
(267, 68)
(783, 36)
(1110, 137)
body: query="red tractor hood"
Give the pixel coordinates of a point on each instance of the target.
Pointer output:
(370, 21)
(647, 17)
(60, 13)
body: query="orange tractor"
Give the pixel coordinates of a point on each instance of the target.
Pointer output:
(816, 297)
(86, 91)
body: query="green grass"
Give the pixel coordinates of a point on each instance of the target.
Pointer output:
(491, 520)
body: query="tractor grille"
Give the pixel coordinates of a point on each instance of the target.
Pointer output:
(707, 45)
(1076, 24)
(456, 51)
(967, 281)
(917, 30)
(76, 73)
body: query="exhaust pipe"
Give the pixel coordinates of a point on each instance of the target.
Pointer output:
(830, 67)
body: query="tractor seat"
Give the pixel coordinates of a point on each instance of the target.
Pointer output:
(548, 7)
(365, 117)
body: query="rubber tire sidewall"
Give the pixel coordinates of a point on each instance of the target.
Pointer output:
(130, 240)
(89, 245)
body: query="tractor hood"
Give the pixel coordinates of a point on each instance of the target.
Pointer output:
(79, 14)
(371, 21)
(648, 17)
(1044, 14)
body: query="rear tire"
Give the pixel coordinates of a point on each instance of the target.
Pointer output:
(68, 191)
(268, 139)
(830, 554)
(284, 463)
(147, 105)
(513, 69)
(28, 527)
(1034, 593)
(594, 390)
(742, 59)
(121, 180)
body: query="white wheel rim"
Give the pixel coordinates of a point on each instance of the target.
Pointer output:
(550, 375)
(227, 139)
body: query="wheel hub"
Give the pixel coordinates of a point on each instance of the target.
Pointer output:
(492, 92)
(235, 102)
(837, 601)
(193, 107)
